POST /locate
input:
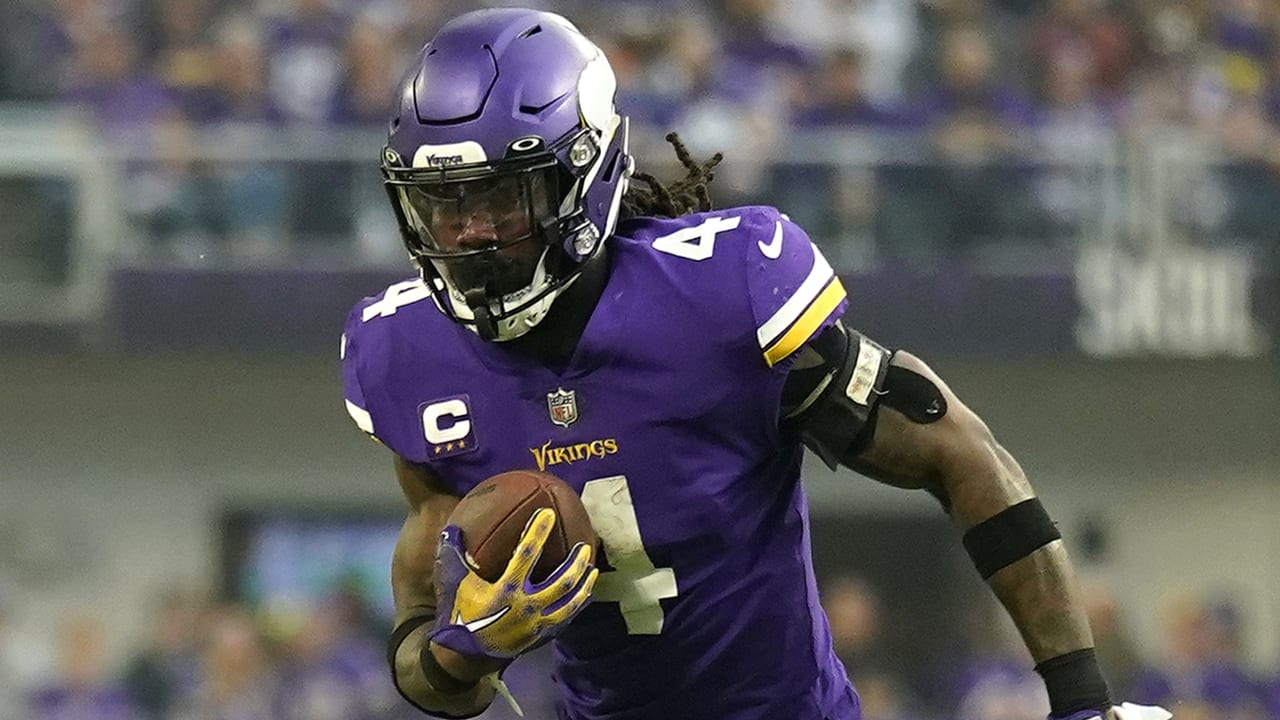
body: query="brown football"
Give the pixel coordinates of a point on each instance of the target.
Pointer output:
(493, 515)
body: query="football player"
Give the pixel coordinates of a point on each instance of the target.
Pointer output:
(671, 363)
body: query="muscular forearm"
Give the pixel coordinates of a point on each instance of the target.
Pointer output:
(1039, 593)
(454, 691)
(413, 682)
(413, 567)
(450, 687)
(1038, 590)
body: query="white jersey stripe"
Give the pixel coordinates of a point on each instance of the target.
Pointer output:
(794, 307)
(363, 419)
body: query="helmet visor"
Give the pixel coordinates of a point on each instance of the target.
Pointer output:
(486, 233)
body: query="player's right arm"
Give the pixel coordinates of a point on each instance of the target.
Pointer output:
(442, 664)
(434, 679)
(457, 693)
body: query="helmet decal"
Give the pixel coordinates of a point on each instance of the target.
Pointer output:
(597, 86)
(438, 156)
(528, 144)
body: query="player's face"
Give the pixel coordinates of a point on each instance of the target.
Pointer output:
(486, 233)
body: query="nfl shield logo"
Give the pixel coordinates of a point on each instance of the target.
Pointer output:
(563, 407)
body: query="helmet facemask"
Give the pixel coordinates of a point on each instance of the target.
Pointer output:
(497, 242)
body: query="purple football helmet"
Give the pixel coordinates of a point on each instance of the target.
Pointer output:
(506, 163)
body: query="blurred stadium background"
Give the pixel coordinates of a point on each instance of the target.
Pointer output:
(1069, 206)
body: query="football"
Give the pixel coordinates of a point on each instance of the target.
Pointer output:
(494, 514)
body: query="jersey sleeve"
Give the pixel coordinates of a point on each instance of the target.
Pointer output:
(794, 293)
(353, 393)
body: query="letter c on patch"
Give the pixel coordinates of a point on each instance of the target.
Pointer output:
(432, 415)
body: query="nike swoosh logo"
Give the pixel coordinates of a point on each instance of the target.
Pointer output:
(774, 248)
(481, 623)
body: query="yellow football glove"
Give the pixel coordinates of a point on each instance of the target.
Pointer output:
(502, 619)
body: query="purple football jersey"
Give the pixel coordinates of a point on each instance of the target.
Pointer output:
(666, 421)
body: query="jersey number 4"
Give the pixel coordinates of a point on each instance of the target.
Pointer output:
(396, 297)
(634, 583)
(697, 242)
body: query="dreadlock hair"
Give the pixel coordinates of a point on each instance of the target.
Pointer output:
(684, 196)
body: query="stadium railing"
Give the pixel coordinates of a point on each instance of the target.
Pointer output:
(79, 201)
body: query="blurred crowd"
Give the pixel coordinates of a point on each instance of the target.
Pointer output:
(1197, 672)
(928, 125)
(203, 661)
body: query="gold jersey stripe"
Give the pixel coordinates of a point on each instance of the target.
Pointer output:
(806, 324)
(819, 275)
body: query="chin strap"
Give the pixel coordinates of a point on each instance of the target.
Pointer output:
(477, 300)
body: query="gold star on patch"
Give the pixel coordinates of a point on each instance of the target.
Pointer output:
(462, 444)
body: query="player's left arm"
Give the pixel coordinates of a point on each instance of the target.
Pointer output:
(890, 417)
(958, 460)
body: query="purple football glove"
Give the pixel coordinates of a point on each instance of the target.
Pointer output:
(501, 620)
